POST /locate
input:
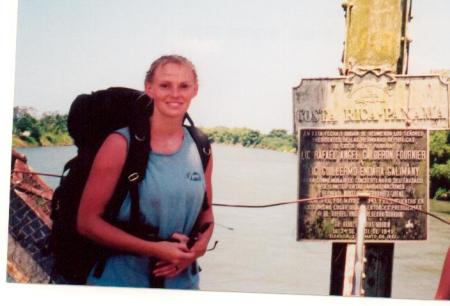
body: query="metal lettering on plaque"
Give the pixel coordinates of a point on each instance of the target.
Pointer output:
(388, 164)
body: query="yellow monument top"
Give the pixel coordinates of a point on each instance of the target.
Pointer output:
(376, 35)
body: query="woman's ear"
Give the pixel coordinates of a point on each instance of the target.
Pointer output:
(195, 89)
(148, 89)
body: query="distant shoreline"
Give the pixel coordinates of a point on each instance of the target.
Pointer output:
(277, 140)
(52, 130)
(17, 142)
(28, 145)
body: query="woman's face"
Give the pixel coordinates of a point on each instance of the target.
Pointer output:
(172, 89)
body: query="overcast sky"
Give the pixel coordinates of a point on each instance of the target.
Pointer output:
(249, 54)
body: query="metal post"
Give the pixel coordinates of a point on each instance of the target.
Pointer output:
(358, 276)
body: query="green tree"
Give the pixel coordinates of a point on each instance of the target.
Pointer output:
(51, 129)
(277, 139)
(250, 138)
(440, 164)
(25, 125)
(54, 123)
(279, 133)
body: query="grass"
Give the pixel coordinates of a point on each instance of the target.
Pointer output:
(442, 207)
(46, 140)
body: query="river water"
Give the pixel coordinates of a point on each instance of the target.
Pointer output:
(257, 249)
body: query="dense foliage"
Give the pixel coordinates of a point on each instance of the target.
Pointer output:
(277, 139)
(440, 165)
(50, 129)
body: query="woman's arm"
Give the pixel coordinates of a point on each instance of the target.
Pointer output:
(100, 186)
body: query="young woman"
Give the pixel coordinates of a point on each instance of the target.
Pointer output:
(171, 194)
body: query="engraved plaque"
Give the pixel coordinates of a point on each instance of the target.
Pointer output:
(387, 163)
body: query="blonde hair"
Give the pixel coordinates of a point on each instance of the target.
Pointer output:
(166, 59)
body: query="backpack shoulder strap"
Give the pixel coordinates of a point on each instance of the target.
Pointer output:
(204, 149)
(134, 169)
(136, 162)
(139, 138)
(202, 142)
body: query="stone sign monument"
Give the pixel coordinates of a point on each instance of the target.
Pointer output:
(364, 135)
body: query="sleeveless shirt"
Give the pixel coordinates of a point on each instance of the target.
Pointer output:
(171, 196)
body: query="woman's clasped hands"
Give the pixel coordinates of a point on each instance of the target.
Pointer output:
(175, 256)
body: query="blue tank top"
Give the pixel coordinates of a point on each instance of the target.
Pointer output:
(171, 196)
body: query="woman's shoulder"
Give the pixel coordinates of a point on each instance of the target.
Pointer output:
(112, 152)
(125, 132)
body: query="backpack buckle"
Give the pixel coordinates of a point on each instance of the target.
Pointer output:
(206, 151)
(139, 138)
(133, 177)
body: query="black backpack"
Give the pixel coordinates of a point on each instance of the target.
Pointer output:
(92, 117)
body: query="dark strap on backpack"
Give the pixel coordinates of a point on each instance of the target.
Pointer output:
(136, 163)
(204, 148)
(202, 142)
(133, 171)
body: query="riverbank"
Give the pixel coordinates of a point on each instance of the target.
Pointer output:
(440, 207)
(51, 130)
(47, 140)
(228, 136)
